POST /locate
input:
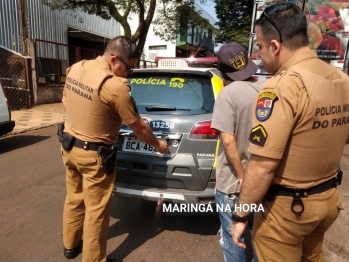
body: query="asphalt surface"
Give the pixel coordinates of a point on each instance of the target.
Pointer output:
(31, 203)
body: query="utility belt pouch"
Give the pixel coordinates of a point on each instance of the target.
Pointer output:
(60, 132)
(68, 142)
(108, 155)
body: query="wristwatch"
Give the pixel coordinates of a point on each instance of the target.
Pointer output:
(236, 218)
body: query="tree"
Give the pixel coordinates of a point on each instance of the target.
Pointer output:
(235, 19)
(171, 15)
(183, 17)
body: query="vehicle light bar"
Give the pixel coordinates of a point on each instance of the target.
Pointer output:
(172, 63)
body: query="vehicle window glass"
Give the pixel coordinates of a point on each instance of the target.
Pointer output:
(177, 95)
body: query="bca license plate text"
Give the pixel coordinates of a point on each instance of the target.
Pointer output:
(135, 145)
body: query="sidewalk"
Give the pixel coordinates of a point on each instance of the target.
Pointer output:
(37, 117)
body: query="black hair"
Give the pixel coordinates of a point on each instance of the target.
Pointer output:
(224, 75)
(289, 21)
(123, 46)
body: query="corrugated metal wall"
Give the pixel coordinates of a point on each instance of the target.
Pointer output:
(45, 24)
(9, 25)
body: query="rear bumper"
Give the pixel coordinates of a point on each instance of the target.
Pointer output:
(169, 194)
(6, 127)
(182, 178)
(182, 171)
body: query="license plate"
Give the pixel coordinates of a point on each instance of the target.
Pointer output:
(132, 144)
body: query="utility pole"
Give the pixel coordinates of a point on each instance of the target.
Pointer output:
(23, 26)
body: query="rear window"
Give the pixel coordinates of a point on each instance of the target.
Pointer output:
(172, 95)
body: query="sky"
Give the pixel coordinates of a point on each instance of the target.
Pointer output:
(209, 8)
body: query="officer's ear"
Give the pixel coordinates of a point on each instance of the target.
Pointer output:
(113, 59)
(275, 47)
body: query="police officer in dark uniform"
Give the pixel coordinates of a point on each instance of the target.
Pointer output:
(300, 125)
(97, 100)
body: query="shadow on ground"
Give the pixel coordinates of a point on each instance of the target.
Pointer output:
(10, 143)
(140, 223)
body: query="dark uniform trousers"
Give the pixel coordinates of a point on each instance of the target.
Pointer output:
(87, 204)
(280, 235)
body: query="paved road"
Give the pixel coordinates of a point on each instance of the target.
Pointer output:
(32, 191)
(31, 201)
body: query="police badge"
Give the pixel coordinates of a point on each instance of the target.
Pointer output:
(265, 105)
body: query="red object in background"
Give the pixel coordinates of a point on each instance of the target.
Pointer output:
(333, 44)
(337, 21)
(326, 11)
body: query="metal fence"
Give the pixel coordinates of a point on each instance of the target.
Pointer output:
(16, 79)
(52, 60)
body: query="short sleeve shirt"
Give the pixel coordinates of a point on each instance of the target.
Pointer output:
(232, 115)
(115, 94)
(295, 119)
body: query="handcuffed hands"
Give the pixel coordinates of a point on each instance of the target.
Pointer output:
(237, 229)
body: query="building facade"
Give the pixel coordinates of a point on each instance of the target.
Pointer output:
(52, 40)
(197, 42)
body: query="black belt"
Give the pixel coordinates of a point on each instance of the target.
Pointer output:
(88, 145)
(297, 194)
(236, 194)
(278, 190)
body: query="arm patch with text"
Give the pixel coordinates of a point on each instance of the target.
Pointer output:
(265, 105)
(258, 136)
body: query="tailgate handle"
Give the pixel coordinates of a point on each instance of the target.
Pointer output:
(124, 132)
(167, 136)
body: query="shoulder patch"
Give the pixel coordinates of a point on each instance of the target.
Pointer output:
(134, 102)
(265, 105)
(258, 136)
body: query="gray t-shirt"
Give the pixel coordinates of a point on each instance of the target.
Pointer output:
(232, 114)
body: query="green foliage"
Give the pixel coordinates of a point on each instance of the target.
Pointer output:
(177, 18)
(235, 19)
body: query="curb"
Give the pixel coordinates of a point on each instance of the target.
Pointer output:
(29, 129)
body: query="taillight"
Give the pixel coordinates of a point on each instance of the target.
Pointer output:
(203, 130)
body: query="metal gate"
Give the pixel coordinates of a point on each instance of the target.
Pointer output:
(15, 77)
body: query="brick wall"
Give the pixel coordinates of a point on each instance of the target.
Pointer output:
(50, 94)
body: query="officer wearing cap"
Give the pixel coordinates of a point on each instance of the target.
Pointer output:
(97, 100)
(299, 129)
(232, 118)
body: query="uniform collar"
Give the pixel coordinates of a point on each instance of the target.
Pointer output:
(103, 62)
(296, 59)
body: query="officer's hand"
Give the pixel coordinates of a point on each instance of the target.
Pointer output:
(237, 229)
(162, 148)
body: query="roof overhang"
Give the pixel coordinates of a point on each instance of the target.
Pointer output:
(85, 35)
(194, 48)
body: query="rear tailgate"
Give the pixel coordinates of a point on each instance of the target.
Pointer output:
(188, 164)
